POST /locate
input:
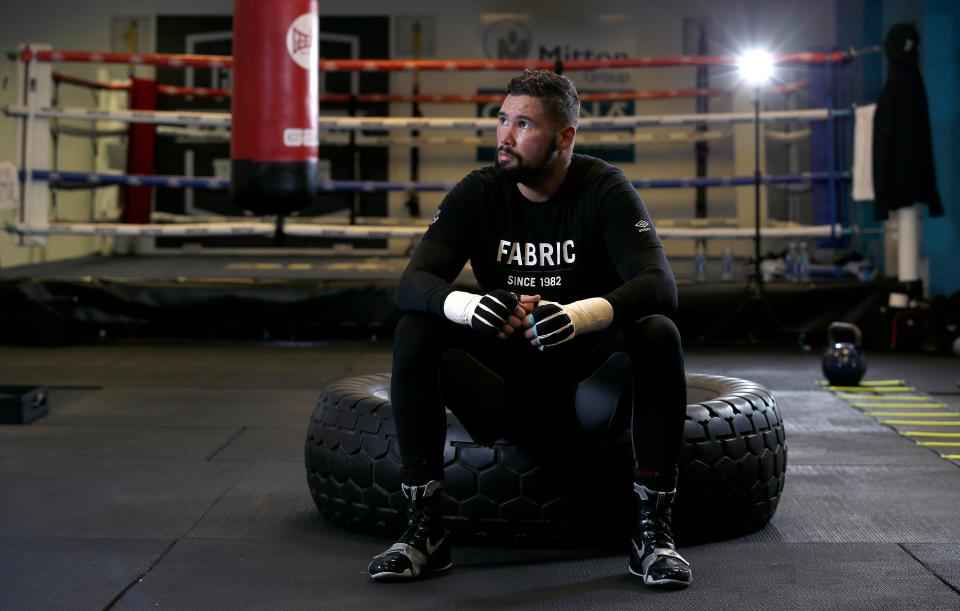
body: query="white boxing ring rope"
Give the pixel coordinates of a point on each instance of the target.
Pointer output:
(317, 230)
(186, 134)
(342, 138)
(222, 120)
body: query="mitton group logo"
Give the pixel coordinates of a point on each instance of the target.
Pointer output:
(507, 40)
(302, 39)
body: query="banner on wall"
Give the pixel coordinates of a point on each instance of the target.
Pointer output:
(517, 39)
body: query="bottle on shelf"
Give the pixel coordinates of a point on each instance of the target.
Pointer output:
(728, 264)
(793, 260)
(803, 263)
(700, 260)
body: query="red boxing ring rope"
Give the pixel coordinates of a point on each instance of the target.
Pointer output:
(393, 65)
(171, 90)
(654, 94)
(208, 92)
(192, 92)
(60, 77)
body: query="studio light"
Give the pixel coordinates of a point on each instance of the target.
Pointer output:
(756, 67)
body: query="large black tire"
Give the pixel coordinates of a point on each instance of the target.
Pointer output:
(732, 470)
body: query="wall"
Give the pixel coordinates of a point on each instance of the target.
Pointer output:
(941, 67)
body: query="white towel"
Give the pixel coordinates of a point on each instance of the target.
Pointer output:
(863, 153)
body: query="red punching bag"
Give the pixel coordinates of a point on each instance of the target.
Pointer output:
(273, 147)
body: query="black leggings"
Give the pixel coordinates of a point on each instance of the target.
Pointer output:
(538, 401)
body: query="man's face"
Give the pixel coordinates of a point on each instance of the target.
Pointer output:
(526, 139)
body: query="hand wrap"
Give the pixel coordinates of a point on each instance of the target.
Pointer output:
(487, 314)
(492, 311)
(553, 324)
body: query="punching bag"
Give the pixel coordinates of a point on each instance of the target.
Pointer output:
(273, 147)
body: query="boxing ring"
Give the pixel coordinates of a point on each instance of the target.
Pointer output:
(383, 241)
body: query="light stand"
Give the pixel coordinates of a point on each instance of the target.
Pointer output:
(758, 278)
(756, 68)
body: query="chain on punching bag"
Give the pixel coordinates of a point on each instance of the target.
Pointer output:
(273, 148)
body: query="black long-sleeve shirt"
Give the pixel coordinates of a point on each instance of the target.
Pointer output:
(593, 238)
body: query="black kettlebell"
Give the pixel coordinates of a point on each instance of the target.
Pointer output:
(843, 363)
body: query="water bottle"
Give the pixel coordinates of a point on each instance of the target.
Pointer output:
(793, 267)
(700, 260)
(727, 273)
(803, 263)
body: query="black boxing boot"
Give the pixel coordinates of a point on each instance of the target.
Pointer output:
(423, 547)
(652, 554)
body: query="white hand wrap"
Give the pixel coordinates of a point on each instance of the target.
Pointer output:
(592, 314)
(486, 314)
(458, 307)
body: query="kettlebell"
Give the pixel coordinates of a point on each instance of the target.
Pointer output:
(843, 362)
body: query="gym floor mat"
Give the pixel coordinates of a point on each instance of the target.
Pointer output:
(180, 484)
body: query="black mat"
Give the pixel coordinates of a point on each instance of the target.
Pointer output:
(47, 442)
(108, 497)
(302, 575)
(942, 560)
(200, 407)
(186, 366)
(824, 430)
(271, 501)
(282, 444)
(835, 504)
(72, 573)
(201, 447)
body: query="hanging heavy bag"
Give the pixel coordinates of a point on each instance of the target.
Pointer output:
(273, 148)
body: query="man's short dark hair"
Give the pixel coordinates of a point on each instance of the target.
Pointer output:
(559, 94)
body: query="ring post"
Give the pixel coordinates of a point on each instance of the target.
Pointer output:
(842, 102)
(831, 153)
(413, 198)
(35, 84)
(141, 145)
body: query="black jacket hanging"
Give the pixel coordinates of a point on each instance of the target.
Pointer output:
(902, 148)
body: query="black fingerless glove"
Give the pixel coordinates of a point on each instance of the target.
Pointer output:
(492, 311)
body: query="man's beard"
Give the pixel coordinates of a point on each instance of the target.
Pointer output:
(524, 173)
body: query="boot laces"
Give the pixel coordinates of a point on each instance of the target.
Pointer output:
(421, 523)
(655, 529)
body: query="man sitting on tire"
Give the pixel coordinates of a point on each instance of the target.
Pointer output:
(571, 270)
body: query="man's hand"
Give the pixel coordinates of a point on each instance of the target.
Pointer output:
(498, 313)
(548, 325)
(552, 324)
(493, 314)
(526, 305)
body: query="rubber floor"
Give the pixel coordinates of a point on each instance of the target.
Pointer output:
(171, 476)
